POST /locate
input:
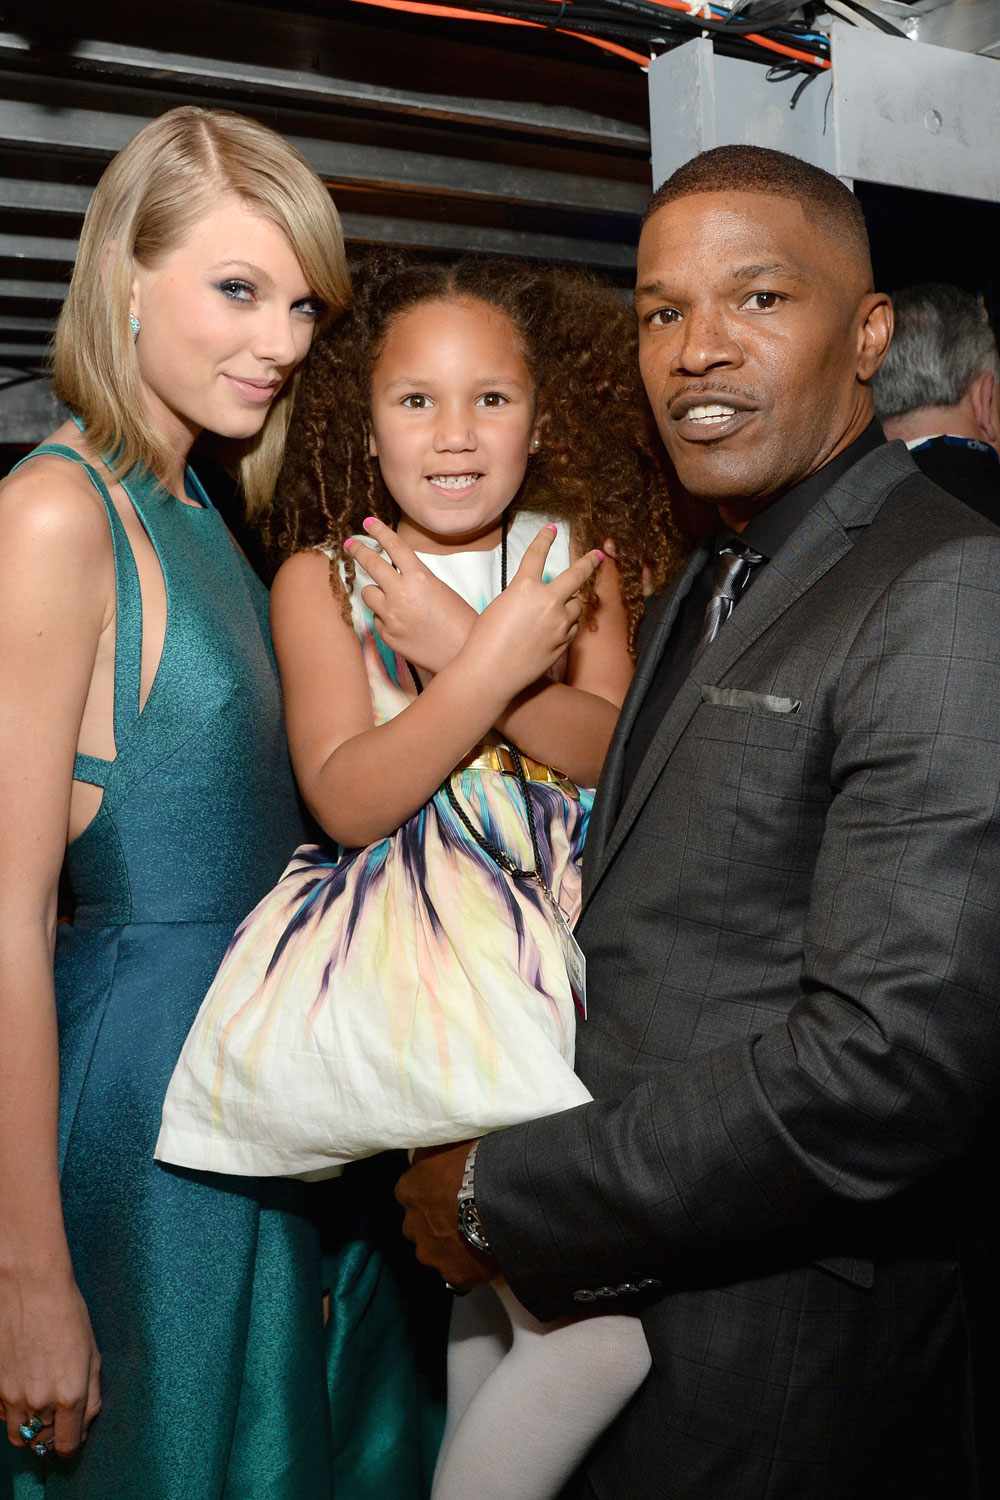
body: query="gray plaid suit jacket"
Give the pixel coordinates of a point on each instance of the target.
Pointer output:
(792, 928)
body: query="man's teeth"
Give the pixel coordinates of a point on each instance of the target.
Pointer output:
(711, 413)
(454, 481)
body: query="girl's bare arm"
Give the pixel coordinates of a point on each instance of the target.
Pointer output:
(567, 724)
(362, 781)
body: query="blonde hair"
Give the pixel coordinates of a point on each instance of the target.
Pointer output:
(151, 195)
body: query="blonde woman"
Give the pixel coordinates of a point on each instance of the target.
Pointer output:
(141, 738)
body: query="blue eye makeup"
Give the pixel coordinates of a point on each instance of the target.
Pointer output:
(313, 307)
(236, 289)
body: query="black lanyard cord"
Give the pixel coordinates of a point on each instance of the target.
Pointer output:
(495, 852)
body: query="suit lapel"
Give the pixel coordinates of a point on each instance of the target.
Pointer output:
(609, 788)
(813, 548)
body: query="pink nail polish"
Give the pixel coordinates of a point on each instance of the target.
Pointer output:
(599, 554)
(348, 544)
(368, 521)
(552, 528)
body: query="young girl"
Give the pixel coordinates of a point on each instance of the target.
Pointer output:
(411, 987)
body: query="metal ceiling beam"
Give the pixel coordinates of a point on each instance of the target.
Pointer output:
(405, 234)
(421, 234)
(52, 128)
(296, 89)
(32, 291)
(41, 326)
(37, 247)
(20, 195)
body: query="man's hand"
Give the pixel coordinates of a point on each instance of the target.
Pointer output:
(429, 1193)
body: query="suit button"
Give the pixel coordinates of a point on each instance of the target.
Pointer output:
(647, 1283)
(625, 1288)
(605, 1291)
(585, 1296)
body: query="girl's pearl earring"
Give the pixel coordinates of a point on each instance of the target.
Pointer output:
(134, 326)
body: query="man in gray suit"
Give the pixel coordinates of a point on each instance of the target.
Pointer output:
(939, 391)
(792, 909)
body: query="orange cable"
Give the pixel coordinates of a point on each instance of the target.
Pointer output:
(416, 7)
(808, 57)
(753, 36)
(455, 14)
(449, 11)
(642, 58)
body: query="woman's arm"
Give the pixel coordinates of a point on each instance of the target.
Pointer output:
(56, 596)
(363, 781)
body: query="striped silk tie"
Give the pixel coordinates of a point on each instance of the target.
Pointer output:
(734, 565)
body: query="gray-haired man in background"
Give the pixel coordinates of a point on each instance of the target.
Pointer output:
(939, 390)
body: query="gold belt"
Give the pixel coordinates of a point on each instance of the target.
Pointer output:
(493, 755)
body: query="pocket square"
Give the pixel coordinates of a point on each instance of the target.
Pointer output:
(741, 698)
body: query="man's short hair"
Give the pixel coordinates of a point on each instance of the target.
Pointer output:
(943, 340)
(758, 169)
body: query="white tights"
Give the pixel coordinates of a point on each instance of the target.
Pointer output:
(527, 1399)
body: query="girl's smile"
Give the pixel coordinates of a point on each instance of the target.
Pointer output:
(455, 484)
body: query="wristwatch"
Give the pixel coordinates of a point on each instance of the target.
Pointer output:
(470, 1225)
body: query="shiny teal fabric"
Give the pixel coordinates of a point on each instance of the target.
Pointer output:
(219, 1380)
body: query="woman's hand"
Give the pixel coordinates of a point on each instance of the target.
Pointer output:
(49, 1364)
(527, 628)
(418, 615)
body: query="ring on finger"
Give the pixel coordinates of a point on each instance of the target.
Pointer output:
(42, 1450)
(31, 1428)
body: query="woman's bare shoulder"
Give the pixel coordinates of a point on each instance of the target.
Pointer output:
(51, 502)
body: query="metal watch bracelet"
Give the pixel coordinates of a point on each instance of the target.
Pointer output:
(470, 1225)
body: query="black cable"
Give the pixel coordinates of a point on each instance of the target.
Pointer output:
(876, 20)
(496, 853)
(779, 74)
(807, 80)
(654, 14)
(732, 26)
(583, 20)
(640, 24)
(775, 17)
(601, 13)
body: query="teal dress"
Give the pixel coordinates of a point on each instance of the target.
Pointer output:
(205, 1292)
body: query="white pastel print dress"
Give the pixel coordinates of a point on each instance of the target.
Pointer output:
(407, 994)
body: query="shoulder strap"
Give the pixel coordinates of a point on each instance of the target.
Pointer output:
(128, 621)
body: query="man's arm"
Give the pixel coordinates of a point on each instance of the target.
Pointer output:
(887, 1062)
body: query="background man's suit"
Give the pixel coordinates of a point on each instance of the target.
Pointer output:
(965, 469)
(792, 925)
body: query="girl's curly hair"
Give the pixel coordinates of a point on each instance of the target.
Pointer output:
(600, 466)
